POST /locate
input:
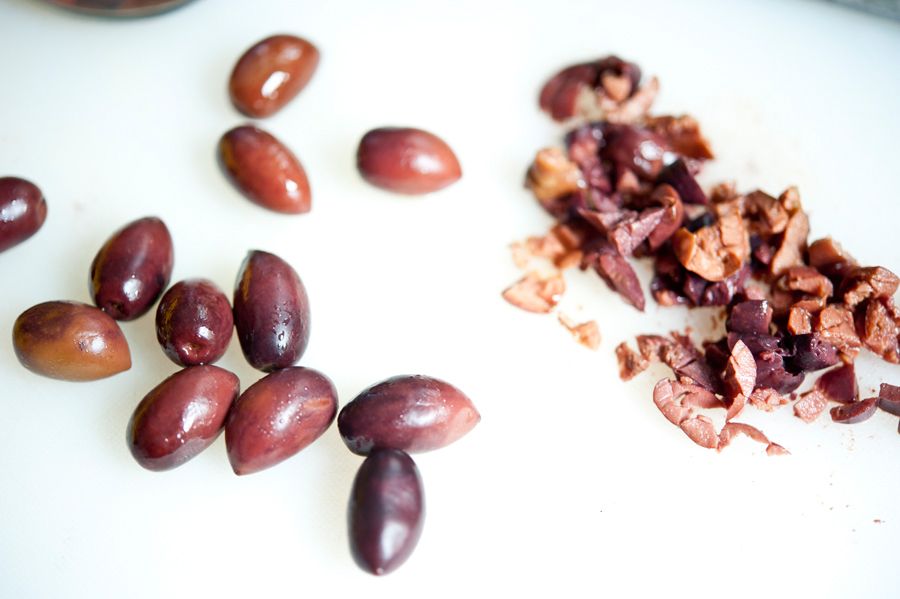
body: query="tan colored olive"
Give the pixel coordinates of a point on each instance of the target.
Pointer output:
(70, 341)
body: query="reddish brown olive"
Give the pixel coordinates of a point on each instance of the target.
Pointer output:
(271, 312)
(70, 341)
(271, 73)
(194, 322)
(406, 160)
(278, 416)
(410, 413)
(264, 170)
(22, 211)
(132, 269)
(386, 512)
(181, 416)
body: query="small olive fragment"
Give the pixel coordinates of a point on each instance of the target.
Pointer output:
(181, 416)
(271, 73)
(132, 269)
(406, 160)
(410, 413)
(22, 211)
(194, 322)
(386, 512)
(271, 312)
(264, 170)
(278, 416)
(70, 341)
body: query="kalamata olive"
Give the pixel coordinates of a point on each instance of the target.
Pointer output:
(194, 322)
(70, 341)
(278, 416)
(271, 73)
(22, 211)
(411, 413)
(181, 416)
(271, 312)
(132, 269)
(387, 511)
(638, 150)
(264, 170)
(406, 160)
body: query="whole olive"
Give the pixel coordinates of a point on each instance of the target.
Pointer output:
(271, 73)
(181, 416)
(70, 341)
(132, 269)
(264, 170)
(386, 512)
(194, 322)
(410, 413)
(406, 160)
(271, 312)
(22, 211)
(276, 417)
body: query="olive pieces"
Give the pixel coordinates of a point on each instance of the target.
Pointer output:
(386, 512)
(405, 160)
(278, 416)
(70, 341)
(22, 211)
(181, 416)
(264, 170)
(271, 73)
(132, 269)
(271, 312)
(194, 322)
(410, 413)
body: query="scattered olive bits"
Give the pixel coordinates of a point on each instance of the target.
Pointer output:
(405, 160)
(22, 211)
(181, 416)
(194, 322)
(70, 341)
(271, 73)
(271, 312)
(386, 512)
(264, 170)
(132, 269)
(278, 416)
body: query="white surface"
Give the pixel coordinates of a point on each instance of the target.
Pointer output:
(573, 484)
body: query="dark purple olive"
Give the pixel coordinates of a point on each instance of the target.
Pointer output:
(132, 269)
(410, 413)
(680, 178)
(181, 416)
(271, 312)
(750, 316)
(387, 511)
(278, 416)
(812, 353)
(638, 150)
(271, 73)
(22, 211)
(70, 341)
(194, 322)
(857, 411)
(264, 170)
(889, 399)
(406, 160)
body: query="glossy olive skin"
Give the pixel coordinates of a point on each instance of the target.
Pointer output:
(271, 73)
(276, 417)
(194, 322)
(271, 312)
(22, 211)
(412, 413)
(264, 170)
(132, 269)
(386, 512)
(181, 416)
(70, 341)
(406, 160)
